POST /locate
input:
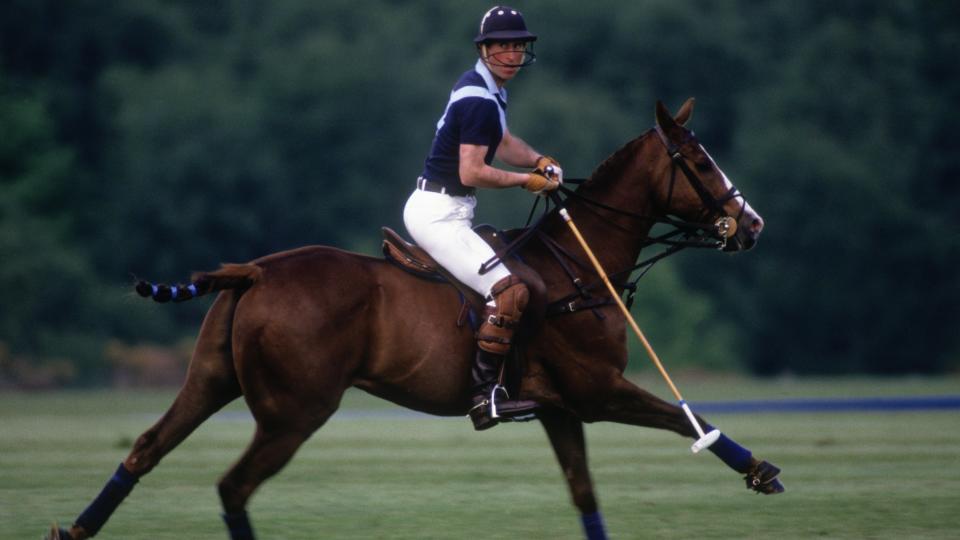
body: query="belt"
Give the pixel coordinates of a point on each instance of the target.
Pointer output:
(428, 185)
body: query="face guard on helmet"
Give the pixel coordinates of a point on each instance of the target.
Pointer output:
(503, 24)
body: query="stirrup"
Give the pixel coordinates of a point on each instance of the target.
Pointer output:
(511, 417)
(478, 406)
(493, 401)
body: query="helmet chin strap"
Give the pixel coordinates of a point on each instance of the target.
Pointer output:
(483, 53)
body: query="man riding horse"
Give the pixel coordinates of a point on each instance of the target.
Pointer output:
(438, 215)
(275, 334)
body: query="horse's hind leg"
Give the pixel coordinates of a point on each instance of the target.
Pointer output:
(211, 383)
(277, 438)
(566, 436)
(266, 455)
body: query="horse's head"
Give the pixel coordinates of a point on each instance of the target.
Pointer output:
(692, 187)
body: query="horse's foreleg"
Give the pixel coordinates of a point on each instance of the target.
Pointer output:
(629, 404)
(566, 436)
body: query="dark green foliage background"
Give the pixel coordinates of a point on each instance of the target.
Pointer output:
(160, 137)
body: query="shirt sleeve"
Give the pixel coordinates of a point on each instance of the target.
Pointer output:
(479, 122)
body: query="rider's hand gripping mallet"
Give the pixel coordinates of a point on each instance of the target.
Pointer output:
(705, 440)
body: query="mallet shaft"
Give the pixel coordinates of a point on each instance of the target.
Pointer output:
(705, 440)
(623, 308)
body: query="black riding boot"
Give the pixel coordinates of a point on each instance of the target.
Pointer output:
(491, 404)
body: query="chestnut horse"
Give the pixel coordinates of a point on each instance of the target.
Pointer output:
(290, 332)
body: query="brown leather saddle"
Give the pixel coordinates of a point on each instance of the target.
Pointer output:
(415, 260)
(418, 262)
(409, 256)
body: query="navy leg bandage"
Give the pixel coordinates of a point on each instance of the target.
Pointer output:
(118, 487)
(735, 456)
(593, 526)
(239, 526)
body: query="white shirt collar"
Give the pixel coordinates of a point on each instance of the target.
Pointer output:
(484, 72)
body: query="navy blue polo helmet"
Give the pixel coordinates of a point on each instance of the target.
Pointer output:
(503, 23)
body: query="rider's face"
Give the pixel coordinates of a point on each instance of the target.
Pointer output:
(504, 59)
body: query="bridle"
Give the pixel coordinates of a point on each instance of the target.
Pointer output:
(701, 234)
(725, 225)
(692, 234)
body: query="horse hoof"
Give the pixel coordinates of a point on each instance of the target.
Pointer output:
(56, 533)
(762, 478)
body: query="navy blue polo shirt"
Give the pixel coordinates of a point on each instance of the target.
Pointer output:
(475, 114)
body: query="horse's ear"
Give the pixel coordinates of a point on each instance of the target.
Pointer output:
(685, 112)
(664, 120)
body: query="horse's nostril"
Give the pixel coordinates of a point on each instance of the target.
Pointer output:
(756, 226)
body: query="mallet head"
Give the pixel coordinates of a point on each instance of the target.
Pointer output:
(705, 441)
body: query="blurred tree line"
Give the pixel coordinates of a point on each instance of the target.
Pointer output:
(159, 137)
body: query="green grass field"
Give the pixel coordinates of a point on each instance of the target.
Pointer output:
(374, 472)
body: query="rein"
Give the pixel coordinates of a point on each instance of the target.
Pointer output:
(693, 234)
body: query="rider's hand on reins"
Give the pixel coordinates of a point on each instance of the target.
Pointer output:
(538, 182)
(551, 167)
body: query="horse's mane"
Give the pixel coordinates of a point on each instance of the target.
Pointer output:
(615, 162)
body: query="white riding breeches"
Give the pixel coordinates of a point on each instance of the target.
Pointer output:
(443, 226)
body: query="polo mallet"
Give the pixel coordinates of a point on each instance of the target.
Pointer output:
(705, 440)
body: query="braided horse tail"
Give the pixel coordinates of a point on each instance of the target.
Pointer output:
(229, 276)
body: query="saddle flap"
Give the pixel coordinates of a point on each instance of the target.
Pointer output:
(407, 255)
